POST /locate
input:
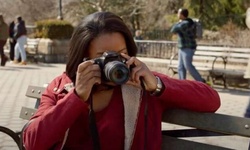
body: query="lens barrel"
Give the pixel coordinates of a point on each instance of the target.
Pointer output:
(116, 72)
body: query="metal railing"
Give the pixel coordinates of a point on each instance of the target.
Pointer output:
(156, 49)
(163, 49)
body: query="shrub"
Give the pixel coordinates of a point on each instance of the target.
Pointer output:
(54, 29)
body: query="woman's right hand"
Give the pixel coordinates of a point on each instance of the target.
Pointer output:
(87, 75)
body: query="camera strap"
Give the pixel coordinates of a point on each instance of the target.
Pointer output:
(145, 113)
(93, 127)
(145, 120)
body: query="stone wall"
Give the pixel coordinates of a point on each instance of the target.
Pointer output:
(54, 51)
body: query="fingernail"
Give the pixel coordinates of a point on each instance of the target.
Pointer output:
(84, 59)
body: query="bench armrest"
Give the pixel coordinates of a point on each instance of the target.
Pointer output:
(26, 113)
(173, 57)
(224, 61)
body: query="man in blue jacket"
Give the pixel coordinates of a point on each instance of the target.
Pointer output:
(187, 45)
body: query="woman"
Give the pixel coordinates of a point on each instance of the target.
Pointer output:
(20, 36)
(84, 108)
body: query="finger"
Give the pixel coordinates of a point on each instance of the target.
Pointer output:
(95, 77)
(84, 65)
(89, 76)
(134, 72)
(85, 77)
(125, 56)
(91, 68)
(129, 82)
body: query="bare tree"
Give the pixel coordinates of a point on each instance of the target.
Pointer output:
(97, 4)
(30, 10)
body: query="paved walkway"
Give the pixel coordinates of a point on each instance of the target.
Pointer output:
(15, 80)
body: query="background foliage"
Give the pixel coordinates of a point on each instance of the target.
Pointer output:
(54, 29)
(153, 17)
(139, 14)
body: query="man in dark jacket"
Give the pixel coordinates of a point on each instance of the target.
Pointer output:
(12, 41)
(187, 45)
(3, 39)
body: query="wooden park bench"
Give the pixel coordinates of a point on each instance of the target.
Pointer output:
(217, 63)
(237, 61)
(31, 48)
(196, 124)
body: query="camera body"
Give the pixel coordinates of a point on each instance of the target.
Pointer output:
(113, 67)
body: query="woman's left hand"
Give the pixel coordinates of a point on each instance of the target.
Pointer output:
(139, 71)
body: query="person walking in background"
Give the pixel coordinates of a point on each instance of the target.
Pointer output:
(20, 35)
(3, 38)
(187, 45)
(12, 41)
(138, 35)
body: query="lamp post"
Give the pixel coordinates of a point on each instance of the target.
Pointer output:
(60, 17)
(248, 17)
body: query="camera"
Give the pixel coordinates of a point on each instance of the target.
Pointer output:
(113, 67)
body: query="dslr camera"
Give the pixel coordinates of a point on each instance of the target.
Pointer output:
(113, 67)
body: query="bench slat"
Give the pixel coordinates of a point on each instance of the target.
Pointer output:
(239, 55)
(212, 48)
(205, 58)
(209, 121)
(242, 50)
(212, 54)
(171, 143)
(192, 132)
(234, 61)
(199, 66)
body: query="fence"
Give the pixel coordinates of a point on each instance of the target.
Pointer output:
(156, 34)
(156, 49)
(163, 49)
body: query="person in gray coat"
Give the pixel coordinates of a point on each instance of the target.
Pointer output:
(3, 38)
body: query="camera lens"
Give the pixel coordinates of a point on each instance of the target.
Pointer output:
(116, 72)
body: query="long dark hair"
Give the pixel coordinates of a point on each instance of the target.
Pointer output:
(92, 26)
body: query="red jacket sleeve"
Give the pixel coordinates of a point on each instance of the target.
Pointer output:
(186, 94)
(56, 113)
